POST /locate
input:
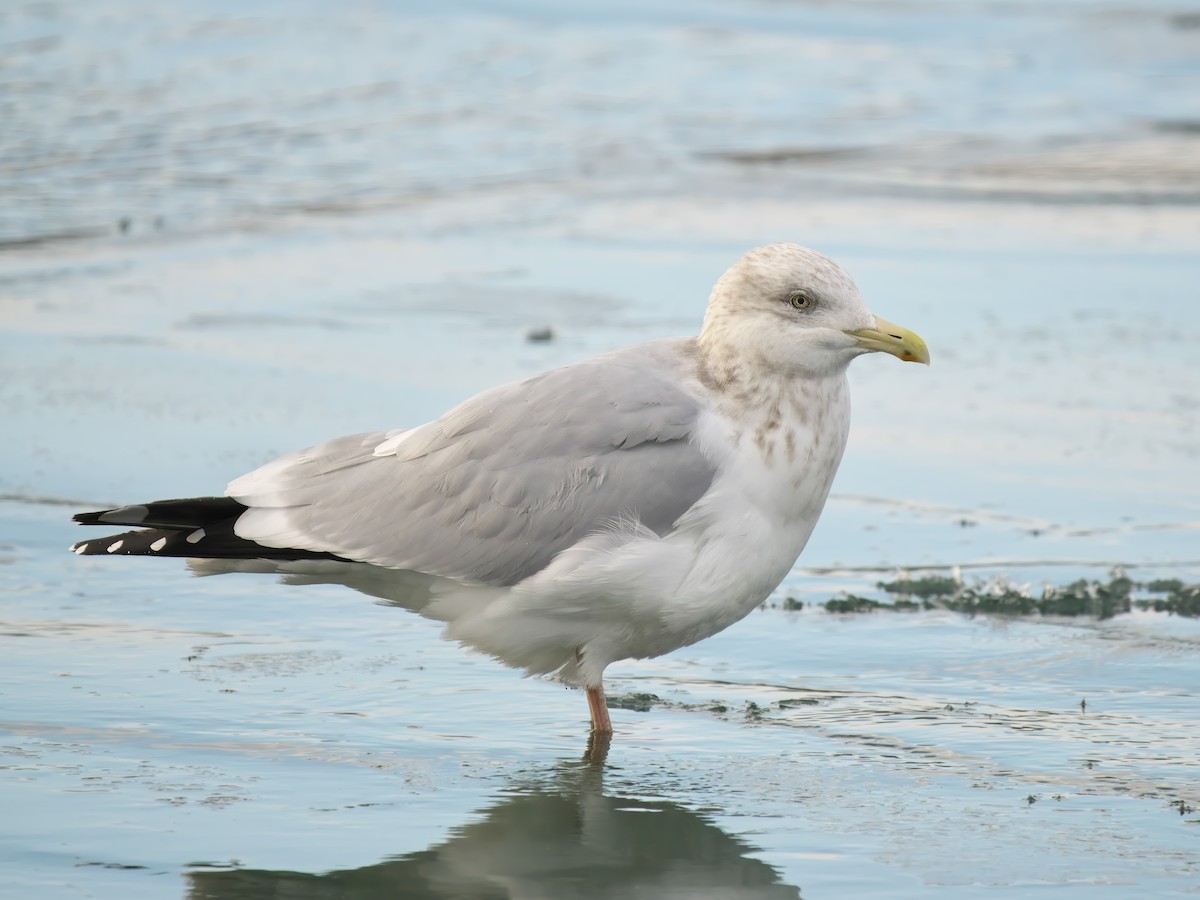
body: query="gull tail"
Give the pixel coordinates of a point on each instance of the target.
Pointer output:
(196, 528)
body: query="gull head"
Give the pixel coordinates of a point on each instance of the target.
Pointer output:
(793, 311)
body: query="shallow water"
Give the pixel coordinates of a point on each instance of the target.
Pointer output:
(231, 231)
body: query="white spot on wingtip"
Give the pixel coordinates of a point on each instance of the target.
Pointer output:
(115, 546)
(159, 544)
(197, 535)
(80, 548)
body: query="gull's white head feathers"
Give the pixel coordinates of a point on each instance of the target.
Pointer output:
(789, 310)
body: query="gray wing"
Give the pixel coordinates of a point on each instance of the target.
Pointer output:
(494, 489)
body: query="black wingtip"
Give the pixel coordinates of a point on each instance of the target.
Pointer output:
(91, 518)
(135, 543)
(182, 515)
(196, 527)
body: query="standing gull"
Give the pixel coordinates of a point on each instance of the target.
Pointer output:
(617, 508)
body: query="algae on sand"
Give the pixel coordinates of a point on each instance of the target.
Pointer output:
(1082, 597)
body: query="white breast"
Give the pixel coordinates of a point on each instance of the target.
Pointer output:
(746, 533)
(633, 594)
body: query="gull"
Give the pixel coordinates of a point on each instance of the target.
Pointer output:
(617, 508)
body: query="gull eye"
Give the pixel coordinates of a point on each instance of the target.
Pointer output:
(800, 299)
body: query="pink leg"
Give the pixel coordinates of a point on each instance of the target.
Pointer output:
(598, 706)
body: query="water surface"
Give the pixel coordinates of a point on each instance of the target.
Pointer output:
(233, 230)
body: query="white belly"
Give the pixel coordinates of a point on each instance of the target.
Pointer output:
(632, 594)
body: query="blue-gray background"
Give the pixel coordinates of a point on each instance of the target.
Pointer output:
(231, 229)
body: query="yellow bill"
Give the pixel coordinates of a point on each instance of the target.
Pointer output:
(888, 338)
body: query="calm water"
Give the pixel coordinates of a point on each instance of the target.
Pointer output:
(227, 231)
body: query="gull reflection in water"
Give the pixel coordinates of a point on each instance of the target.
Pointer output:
(567, 840)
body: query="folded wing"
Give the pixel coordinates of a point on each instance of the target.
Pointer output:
(490, 492)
